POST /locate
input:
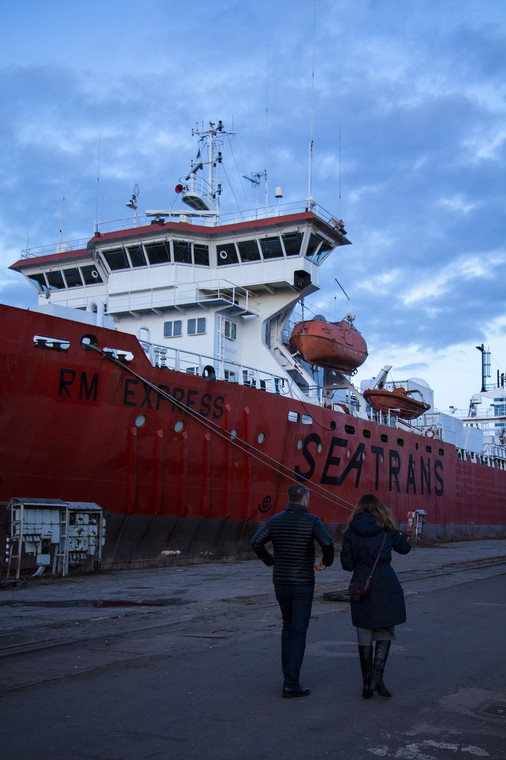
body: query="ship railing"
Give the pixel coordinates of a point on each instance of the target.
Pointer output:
(382, 418)
(209, 219)
(189, 217)
(232, 297)
(214, 369)
(47, 250)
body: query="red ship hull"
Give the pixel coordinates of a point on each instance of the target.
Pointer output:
(186, 463)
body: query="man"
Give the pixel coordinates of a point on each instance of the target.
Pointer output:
(293, 533)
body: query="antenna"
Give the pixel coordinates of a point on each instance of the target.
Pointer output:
(339, 171)
(132, 203)
(63, 199)
(98, 186)
(266, 129)
(255, 180)
(310, 167)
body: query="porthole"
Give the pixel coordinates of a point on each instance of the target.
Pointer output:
(320, 448)
(179, 426)
(261, 437)
(307, 419)
(139, 422)
(348, 453)
(332, 425)
(299, 444)
(384, 438)
(233, 433)
(400, 442)
(366, 433)
(349, 429)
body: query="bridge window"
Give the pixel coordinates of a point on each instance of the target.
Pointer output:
(226, 254)
(55, 280)
(73, 277)
(182, 251)
(90, 275)
(271, 248)
(201, 254)
(158, 253)
(322, 252)
(137, 256)
(314, 242)
(39, 281)
(248, 250)
(117, 259)
(292, 242)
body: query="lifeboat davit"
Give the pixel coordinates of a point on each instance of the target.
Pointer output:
(334, 345)
(397, 401)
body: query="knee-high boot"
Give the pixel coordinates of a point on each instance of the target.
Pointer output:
(380, 659)
(366, 665)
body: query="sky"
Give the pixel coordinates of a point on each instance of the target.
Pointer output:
(405, 101)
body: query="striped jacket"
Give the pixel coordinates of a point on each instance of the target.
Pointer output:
(293, 533)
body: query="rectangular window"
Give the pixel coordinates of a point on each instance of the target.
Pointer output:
(271, 248)
(230, 330)
(117, 259)
(173, 329)
(248, 250)
(158, 253)
(55, 280)
(201, 254)
(73, 277)
(137, 256)
(292, 242)
(196, 326)
(226, 254)
(90, 275)
(182, 251)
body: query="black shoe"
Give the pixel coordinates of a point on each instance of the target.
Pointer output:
(365, 654)
(380, 659)
(298, 691)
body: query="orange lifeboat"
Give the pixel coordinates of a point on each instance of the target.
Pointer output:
(334, 345)
(397, 401)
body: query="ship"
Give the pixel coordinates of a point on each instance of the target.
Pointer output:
(156, 379)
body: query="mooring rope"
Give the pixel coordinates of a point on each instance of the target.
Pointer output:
(246, 448)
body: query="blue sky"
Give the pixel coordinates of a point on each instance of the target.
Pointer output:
(409, 146)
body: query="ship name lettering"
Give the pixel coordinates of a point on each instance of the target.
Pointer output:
(72, 381)
(204, 404)
(401, 473)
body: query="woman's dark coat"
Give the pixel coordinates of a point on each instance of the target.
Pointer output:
(385, 607)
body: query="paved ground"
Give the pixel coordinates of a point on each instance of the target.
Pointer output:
(184, 661)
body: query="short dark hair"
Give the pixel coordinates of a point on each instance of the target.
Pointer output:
(297, 493)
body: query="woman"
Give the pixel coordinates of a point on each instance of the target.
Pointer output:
(375, 618)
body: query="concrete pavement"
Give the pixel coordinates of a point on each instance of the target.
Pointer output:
(184, 660)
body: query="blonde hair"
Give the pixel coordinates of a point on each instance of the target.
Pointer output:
(368, 502)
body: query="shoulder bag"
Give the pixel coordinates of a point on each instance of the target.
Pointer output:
(359, 590)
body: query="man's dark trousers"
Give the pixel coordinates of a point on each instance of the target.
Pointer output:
(295, 603)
